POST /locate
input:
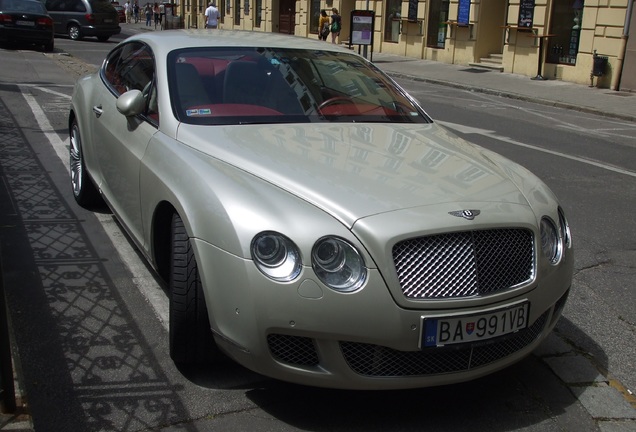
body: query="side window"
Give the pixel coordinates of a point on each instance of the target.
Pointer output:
(54, 5)
(77, 6)
(132, 67)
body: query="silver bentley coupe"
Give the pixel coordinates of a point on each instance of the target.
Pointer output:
(309, 219)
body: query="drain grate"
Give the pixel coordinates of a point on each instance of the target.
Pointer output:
(475, 70)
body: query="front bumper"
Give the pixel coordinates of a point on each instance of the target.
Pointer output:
(305, 333)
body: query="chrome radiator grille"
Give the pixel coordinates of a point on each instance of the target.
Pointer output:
(464, 264)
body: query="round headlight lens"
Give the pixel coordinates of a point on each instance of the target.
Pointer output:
(276, 256)
(338, 264)
(550, 241)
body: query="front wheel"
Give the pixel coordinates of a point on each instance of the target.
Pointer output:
(84, 191)
(191, 339)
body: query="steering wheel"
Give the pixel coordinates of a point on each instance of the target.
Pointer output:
(335, 100)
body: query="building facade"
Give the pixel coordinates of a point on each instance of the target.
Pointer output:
(581, 41)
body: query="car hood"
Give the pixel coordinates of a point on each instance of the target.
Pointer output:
(357, 170)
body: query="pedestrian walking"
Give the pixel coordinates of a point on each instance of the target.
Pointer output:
(323, 26)
(212, 16)
(136, 12)
(148, 13)
(128, 11)
(155, 11)
(336, 24)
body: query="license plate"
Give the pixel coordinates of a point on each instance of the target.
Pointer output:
(108, 20)
(452, 330)
(25, 23)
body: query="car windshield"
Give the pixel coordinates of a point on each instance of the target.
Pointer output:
(213, 86)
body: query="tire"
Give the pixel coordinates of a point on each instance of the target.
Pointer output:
(191, 340)
(74, 32)
(84, 191)
(103, 38)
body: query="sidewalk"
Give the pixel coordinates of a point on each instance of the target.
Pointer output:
(604, 102)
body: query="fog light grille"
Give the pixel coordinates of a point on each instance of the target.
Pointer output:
(379, 361)
(294, 350)
(464, 264)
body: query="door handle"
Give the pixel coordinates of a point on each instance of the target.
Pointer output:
(97, 109)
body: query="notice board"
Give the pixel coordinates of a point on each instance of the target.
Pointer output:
(463, 12)
(526, 14)
(362, 22)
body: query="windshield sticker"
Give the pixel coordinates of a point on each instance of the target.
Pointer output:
(199, 112)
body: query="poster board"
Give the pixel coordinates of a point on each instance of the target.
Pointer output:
(362, 24)
(463, 12)
(526, 14)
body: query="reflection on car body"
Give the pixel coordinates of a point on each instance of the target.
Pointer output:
(310, 220)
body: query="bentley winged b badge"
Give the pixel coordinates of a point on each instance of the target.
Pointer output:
(466, 214)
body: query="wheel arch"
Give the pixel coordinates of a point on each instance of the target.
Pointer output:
(161, 229)
(71, 118)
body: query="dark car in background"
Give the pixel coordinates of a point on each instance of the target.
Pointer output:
(26, 21)
(80, 18)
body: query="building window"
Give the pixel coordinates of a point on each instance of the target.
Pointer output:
(393, 21)
(221, 6)
(259, 12)
(563, 47)
(314, 18)
(437, 23)
(237, 12)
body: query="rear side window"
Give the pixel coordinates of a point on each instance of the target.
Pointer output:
(65, 5)
(101, 6)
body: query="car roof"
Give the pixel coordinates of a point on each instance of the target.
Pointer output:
(169, 40)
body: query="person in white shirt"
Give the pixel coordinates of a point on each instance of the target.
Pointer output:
(128, 11)
(211, 16)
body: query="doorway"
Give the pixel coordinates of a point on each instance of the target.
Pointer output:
(287, 16)
(491, 32)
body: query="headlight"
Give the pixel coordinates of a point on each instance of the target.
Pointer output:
(551, 245)
(565, 229)
(338, 264)
(276, 256)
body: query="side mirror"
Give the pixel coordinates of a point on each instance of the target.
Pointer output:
(131, 103)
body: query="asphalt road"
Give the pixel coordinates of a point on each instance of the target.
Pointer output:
(89, 317)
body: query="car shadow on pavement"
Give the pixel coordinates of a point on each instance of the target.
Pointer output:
(501, 402)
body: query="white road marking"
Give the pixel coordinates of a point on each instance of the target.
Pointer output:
(142, 278)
